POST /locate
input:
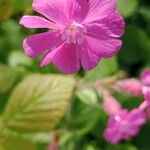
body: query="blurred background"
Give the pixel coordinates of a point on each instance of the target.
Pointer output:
(40, 108)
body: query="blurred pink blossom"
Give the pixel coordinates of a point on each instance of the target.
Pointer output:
(81, 33)
(111, 105)
(145, 77)
(124, 125)
(130, 86)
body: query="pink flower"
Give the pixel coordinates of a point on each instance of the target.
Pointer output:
(130, 86)
(111, 105)
(81, 33)
(124, 125)
(145, 77)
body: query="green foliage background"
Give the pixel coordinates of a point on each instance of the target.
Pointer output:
(36, 103)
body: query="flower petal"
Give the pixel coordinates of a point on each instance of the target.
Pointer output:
(104, 48)
(89, 59)
(37, 22)
(78, 9)
(112, 135)
(99, 9)
(133, 130)
(145, 77)
(110, 105)
(40, 43)
(49, 56)
(136, 117)
(54, 10)
(114, 24)
(65, 58)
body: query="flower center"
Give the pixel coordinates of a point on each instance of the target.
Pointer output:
(124, 126)
(74, 33)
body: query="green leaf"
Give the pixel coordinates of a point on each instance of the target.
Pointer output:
(121, 147)
(17, 59)
(11, 38)
(84, 117)
(127, 7)
(67, 140)
(105, 68)
(88, 96)
(38, 103)
(146, 15)
(1, 147)
(136, 46)
(91, 147)
(8, 77)
(36, 137)
(24, 6)
(17, 144)
(142, 139)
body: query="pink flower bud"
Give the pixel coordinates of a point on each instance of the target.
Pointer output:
(130, 86)
(111, 105)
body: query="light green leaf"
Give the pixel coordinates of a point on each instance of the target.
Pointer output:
(127, 7)
(17, 59)
(67, 140)
(8, 77)
(1, 147)
(88, 96)
(36, 137)
(105, 68)
(17, 144)
(38, 103)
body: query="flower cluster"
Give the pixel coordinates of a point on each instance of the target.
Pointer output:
(123, 123)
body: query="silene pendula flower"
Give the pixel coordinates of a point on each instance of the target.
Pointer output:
(123, 125)
(81, 33)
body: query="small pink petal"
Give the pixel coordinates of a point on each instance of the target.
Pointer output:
(54, 10)
(65, 58)
(104, 48)
(37, 22)
(78, 9)
(99, 9)
(41, 43)
(145, 77)
(114, 25)
(49, 56)
(111, 105)
(112, 135)
(89, 59)
(137, 117)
